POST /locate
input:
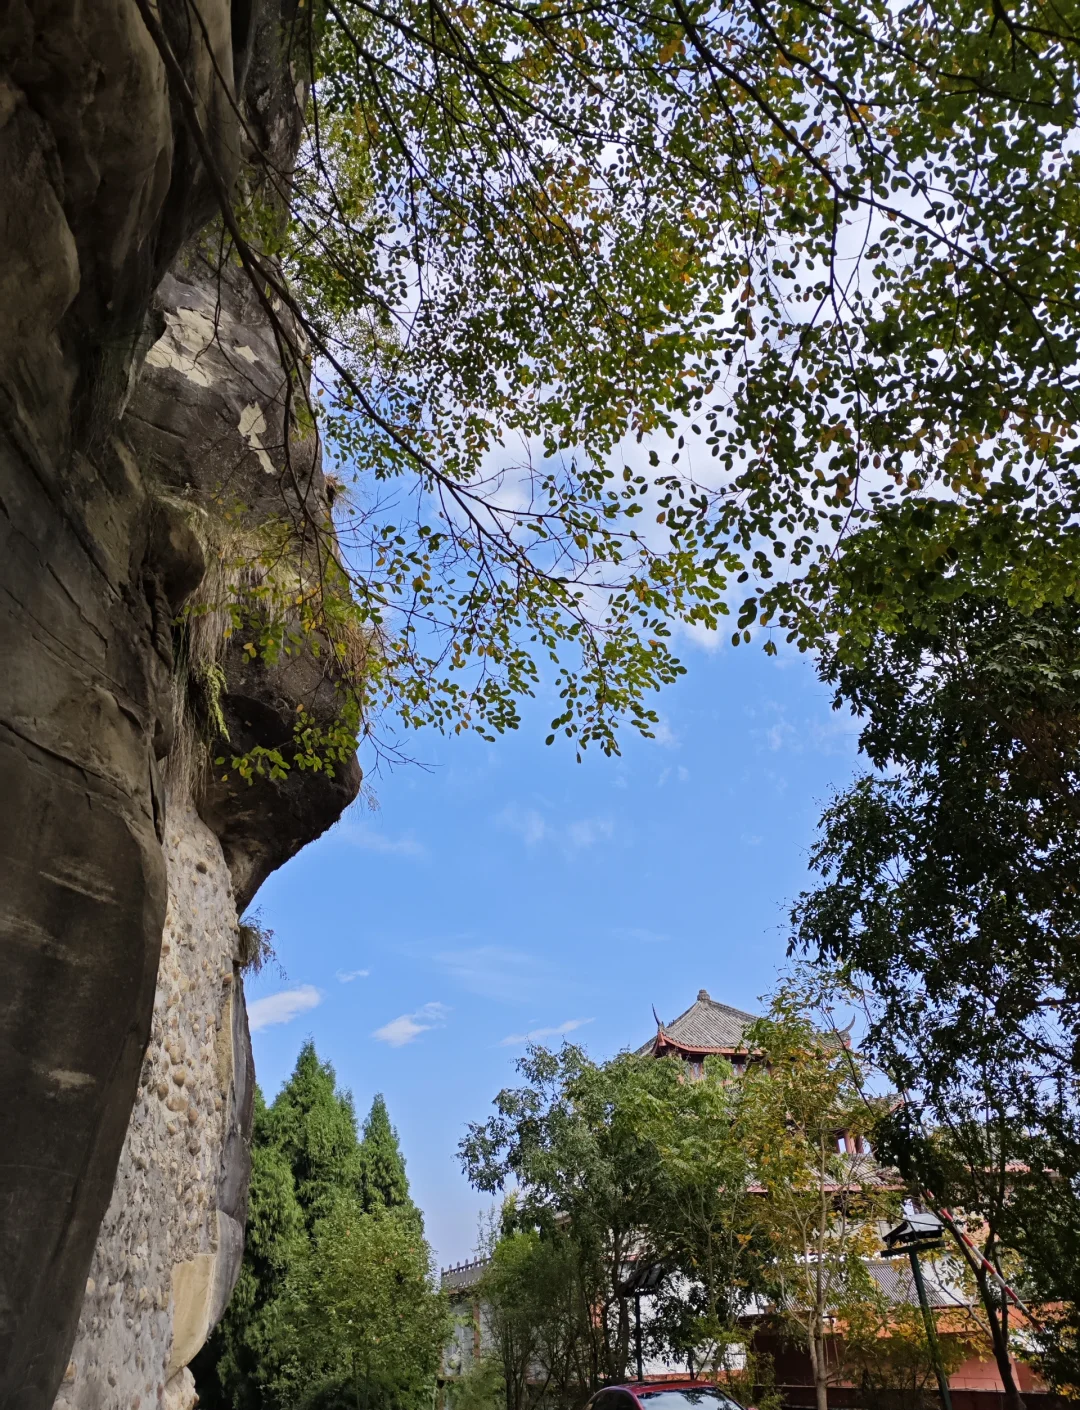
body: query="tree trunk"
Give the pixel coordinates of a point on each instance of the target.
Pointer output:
(622, 1344)
(509, 1373)
(821, 1380)
(1000, 1342)
(819, 1368)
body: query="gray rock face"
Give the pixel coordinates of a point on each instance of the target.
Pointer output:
(102, 188)
(169, 1248)
(209, 420)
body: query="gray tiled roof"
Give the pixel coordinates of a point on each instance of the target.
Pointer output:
(863, 1170)
(897, 1286)
(854, 1172)
(706, 1024)
(893, 1277)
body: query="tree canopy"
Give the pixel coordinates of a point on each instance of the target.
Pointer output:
(384, 1183)
(735, 1185)
(951, 866)
(313, 1125)
(335, 1305)
(803, 1119)
(567, 1138)
(538, 1311)
(821, 258)
(364, 1326)
(947, 890)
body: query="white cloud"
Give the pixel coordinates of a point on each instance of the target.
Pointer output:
(839, 734)
(637, 932)
(701, 636)
(681, 773)
(777, 735)
(283, 1007)
(369, 841)
(663, 734)
(493, 971)
(588, 831)
(346, 976)
(516, 1039)
(526, 822)
(408, 1026)
(533, 828)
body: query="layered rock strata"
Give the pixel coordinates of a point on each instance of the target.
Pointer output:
(206, 424)
(100, 548)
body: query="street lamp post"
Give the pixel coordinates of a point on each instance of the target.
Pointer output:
(639, 1278)
(637, 1336)
(921, 1233)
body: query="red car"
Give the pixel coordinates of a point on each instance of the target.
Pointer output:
(664, 1395)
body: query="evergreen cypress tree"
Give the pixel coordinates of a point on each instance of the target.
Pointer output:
(314, 1127)
(330, 1226)
(305, 1157)
(385, 1183)
(231, 1369)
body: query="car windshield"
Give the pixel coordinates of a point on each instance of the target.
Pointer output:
(670, 1398)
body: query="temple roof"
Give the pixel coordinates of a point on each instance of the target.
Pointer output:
(706, 1026)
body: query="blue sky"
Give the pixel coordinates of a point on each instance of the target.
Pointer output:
(506, 891)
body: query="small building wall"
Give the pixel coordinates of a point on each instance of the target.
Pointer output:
(975, 1385)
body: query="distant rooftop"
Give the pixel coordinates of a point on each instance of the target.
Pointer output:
(898, 1286)
(705, 1027)
(463, 1275)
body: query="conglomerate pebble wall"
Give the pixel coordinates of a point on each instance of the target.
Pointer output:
(170, 1244)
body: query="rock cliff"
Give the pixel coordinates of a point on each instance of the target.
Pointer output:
(123, 1165)
(169, 1248)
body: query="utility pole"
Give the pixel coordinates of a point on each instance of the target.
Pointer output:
(921, 1233)
(637, 1335)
